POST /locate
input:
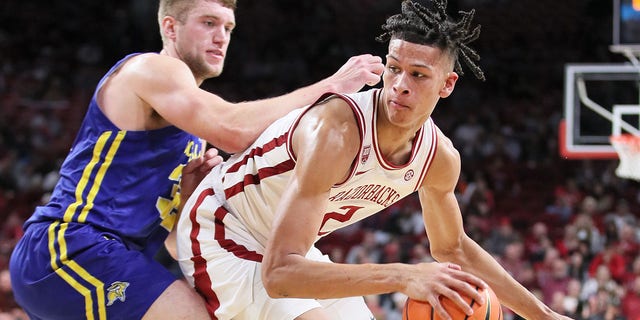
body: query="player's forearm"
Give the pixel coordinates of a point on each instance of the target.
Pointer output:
(472, 258)
(322, 280)
(520, 300)
(252, 118)
(516, 297)
(300, 97)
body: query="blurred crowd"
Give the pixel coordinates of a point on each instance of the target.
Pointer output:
(566, 229)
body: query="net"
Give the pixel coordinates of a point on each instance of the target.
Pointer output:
(628, 148)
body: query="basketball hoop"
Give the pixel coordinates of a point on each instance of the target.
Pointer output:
(631, 52)
(628, 148)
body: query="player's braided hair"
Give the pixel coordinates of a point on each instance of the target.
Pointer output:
(433, 27)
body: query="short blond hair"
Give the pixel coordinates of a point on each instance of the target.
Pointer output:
(179, 9)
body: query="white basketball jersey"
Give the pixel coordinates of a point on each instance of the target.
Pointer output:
(255, 179)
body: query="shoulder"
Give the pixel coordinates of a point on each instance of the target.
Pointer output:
(152, 73)
(446, 151)
(445, 168)
(335, 108)
(153, 59)
(326, 142)
(330, 123)
(154, 66)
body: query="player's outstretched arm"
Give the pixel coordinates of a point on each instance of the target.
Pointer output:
(168, 86)
(449, 241)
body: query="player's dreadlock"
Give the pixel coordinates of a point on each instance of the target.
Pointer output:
(433, 27)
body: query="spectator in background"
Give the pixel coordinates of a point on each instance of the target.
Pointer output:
(466, 137)
(612, 260)
(6, 296)
(538, 242)
(629, 245)
(590, 206)
(545, 266)
(633, 271)
(600, 281)
(561, 208)
(569, 241)
(621, 216)
(419, 253)
(571, 302)
(8, 306)
(631, 300)
(554, 280)
(604, 305)
(588, 232)
(601, 191)
(477, 199)
(367, 251)
(610, 233)
(500, 236)
(12, 231)
(578, 264)
(405, 221)
(569, 192)
(515, 262)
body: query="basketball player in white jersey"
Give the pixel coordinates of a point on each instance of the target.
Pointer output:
(246, 236)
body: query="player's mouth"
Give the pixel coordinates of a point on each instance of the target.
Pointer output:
(397, 105)
(218, 54)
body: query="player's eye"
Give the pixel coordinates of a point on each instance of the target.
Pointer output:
(393, 69)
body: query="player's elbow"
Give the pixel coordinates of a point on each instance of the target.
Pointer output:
(274, 282)
(272, 288)
(451, 251)
(232, 146)
(232, 138)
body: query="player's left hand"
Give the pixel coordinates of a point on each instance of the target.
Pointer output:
(196, 170)
(358, 71)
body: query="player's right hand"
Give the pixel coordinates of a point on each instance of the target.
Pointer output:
(197, 169)
(357, 72)
(434, 280)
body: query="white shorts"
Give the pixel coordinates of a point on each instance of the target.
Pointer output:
(222, 261)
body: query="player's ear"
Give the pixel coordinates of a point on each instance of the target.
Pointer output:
(449, 84)
(169, 27)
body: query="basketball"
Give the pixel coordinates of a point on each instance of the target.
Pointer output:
(490, 310)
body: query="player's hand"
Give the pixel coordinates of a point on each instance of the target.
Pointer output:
(432, 281)
(357, 72)
(196, 170)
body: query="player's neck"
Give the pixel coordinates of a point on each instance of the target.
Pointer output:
(395, 143)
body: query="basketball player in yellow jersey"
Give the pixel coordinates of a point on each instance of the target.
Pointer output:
(88, 253)
(246, 237)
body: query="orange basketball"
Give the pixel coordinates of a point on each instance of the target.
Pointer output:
(491, 309)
